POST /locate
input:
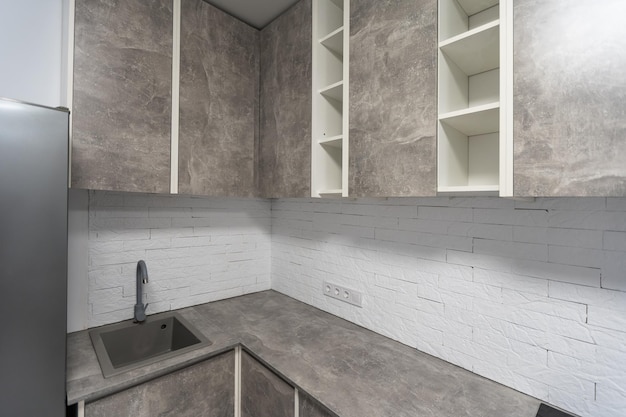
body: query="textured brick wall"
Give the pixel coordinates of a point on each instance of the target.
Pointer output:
(197, 250)
(531, 294)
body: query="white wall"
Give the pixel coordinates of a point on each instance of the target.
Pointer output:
(196, 249)
(529, 294)
(31, 48)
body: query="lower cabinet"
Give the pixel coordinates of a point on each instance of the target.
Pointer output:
(263, 393)
(206, 389)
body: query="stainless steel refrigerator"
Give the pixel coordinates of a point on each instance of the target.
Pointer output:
(33, 259)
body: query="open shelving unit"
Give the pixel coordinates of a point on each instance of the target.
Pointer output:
(329, 156)
(474, 140)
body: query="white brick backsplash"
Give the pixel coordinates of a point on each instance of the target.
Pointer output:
(614, 300)
(530, 234)
(533, 251)
(545, 305)
(511, 217)
(596, 220)
(495, 263)
(566, 203)
(614, 271)
(490, 231)
(421, 225)
(511, 281)
(576, 256)
(529, 293)
(196, 249)
(480, 202)
(615, 241)
(616, 204)
(445, 213)
(610, 319)
(558, 272)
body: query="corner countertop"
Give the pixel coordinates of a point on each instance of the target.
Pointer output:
(352, 371)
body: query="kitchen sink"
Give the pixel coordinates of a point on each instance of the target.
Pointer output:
(129, 345)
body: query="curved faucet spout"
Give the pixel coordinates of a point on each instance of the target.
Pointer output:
(142, 278)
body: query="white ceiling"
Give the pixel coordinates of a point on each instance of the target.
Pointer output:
(257, 13)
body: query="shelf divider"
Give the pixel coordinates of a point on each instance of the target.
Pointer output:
(333, 141)
(474, 120)
(334, 41)
(475, 51)
(334, 91)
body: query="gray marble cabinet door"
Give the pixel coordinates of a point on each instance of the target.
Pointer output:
(393, 98)
(122, 95)
(308, 407)
(263, 394)
(285, 142)
(569, 98)
(219, 109)
(203, 390)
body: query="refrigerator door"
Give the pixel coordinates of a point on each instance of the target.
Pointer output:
(33, 259)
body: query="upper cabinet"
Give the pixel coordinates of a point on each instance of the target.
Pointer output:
(219, 103)
(393, 98)
(474, 151)
(122, 95)
(285, 105)
(329, 138)
(340, 98)
(569, 98)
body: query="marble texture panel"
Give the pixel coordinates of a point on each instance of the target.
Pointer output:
(206, 389)
(285, 142)
(393, 98)
(308, 407)
(569, 95)
(122, 95)
(263, 394)
(219, 91)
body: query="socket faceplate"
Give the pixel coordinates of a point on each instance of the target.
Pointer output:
(344, 294)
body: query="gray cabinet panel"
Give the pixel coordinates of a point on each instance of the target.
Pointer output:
(310, 408)
(206, 389)
(219, 90)
(263, 394)
(393, 98)
(569, 95)
(285, 147)
(122, 95)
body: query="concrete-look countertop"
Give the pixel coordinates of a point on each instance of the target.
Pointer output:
(352, 371)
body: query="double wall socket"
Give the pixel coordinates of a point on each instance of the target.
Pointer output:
(342, 293)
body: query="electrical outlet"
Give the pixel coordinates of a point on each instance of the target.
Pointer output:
(343, 294)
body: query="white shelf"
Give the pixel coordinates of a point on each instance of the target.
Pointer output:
(334, 91)
(474, 121)
(329, 16)
(338, 4)
(330, 79)
(334, 41)
(469, 189)
(331, 193)
(471, 7)
(334, 141)
(475, 51)
(473, 97)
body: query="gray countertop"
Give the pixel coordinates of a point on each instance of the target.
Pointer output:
(352, 371)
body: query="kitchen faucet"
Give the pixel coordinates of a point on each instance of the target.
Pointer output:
(142, 278)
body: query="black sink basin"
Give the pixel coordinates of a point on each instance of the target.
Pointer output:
(124, 346)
